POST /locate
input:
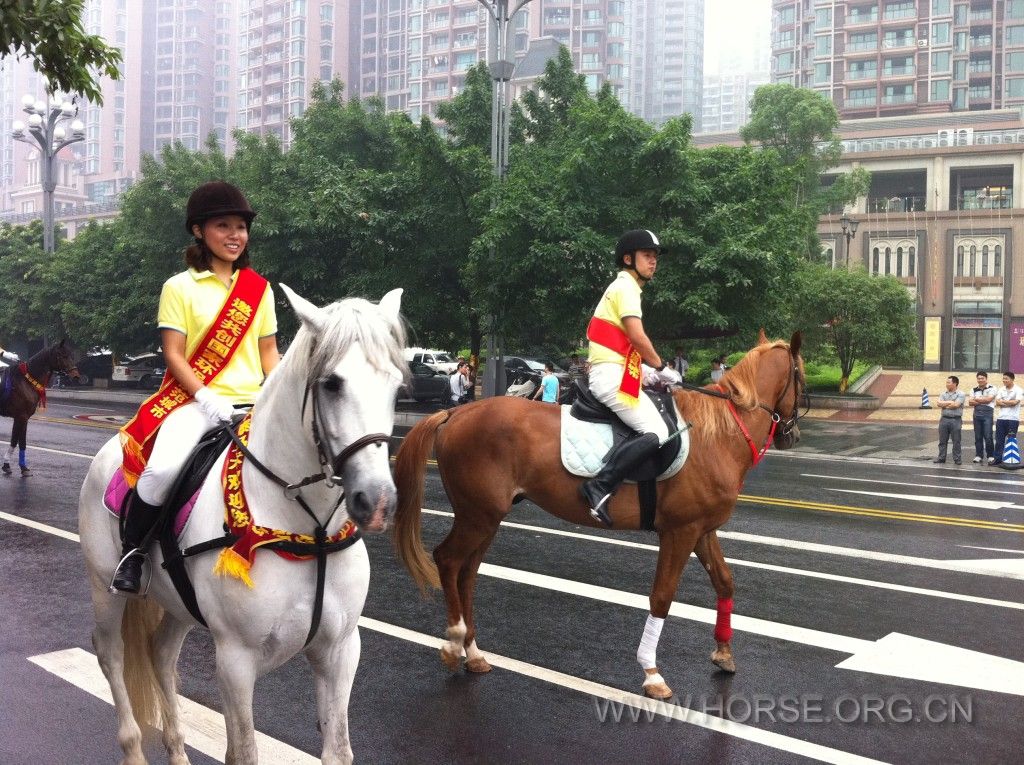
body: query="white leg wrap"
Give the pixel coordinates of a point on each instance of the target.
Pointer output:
(655, 679)
(8, 454)
(647, 653)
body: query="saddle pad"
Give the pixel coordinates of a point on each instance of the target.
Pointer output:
(118, 489)
(584, 445)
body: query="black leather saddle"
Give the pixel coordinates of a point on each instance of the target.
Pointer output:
(587, 408)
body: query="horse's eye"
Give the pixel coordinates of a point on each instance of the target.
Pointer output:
(333, 384)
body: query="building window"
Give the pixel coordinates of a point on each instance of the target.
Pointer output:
(940, 33)
(822, 73)
(783, 62)
(960, 260)
(822, 45)
(1015, 87)
(857, 97)
(823, 18)
(1015, 35)
(787, 15)
(940, 7)
(940, 91)
(941, 61)
(1015, 9)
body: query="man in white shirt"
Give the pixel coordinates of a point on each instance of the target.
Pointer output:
(981, 402)
(1007, 403)
(459, 383)
(680, 362)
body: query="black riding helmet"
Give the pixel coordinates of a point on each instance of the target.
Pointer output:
(631, 241)
(214, 199)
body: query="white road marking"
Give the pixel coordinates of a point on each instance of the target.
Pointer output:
(978, 480)
(636, 701)
(894, 655)
(61, 451)
(916, 485)
(993, 549)
(39, 526)
(766, 566)
(203, 728)
(980, 504)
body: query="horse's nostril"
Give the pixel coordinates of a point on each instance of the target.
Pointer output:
(362, 508)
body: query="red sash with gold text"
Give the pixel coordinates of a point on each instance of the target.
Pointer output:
(614, 339)
(209, 359)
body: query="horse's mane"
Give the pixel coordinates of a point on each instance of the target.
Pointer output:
(349, 321)
(710, 413)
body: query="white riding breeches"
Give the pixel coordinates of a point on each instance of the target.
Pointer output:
(643, 418)
(178, 435)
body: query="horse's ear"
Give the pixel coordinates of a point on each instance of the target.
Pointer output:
(306, 311)
(762, 338)
(391, 303)
(795, 343)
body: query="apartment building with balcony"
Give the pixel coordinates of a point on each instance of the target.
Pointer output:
(284, 48)
(726, 102)
(666, 76)
(895, 57)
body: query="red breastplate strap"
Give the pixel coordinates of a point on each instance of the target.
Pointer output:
(755, 455)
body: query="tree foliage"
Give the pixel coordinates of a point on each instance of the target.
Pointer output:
(857, 316)
(50, 34)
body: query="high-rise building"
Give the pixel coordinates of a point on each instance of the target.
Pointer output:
(667, 59)
(284, 48)
(727, 100)
(188, 72)
(90, 173)
(896, 57)
(415, 53)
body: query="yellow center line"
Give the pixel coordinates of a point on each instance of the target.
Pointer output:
(83, 423)
(882, 513)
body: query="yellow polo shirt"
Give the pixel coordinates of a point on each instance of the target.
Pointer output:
(621, 299)
(190, 302)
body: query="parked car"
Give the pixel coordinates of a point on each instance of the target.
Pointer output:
(520, 368)
(145, 371)
(439, 361)
(95, 366)
(426, 384)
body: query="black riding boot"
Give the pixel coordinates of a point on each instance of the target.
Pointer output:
(619, 463)
(141, 518)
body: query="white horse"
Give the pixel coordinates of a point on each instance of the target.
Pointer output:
(347, 362)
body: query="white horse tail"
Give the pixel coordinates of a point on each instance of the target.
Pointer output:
(410, 464)
(141, 618)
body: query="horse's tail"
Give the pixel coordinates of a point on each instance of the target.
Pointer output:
(141, 618)
(410, 464)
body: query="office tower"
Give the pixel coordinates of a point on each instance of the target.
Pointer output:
(896, 57)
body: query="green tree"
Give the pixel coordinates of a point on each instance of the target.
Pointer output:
(858, 316)
(25, 312)
(50, 33)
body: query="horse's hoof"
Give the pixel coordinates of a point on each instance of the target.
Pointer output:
(478, 665)
(723, 660)
(6, 468)
(451, 659)
(25, 472)
(659, 691)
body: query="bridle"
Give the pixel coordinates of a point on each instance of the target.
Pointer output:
(794, 381)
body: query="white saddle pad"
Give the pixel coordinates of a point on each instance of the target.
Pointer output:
(584, 445)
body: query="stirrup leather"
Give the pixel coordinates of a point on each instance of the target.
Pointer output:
(143, 589)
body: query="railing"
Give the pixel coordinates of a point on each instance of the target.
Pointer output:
(981, 15)
(897, 71)
(861, 74)
(75, 211)
(1002, 202)
(862, 18)
(899, 98)
(980, 68)
(901, 13)
(890, 43)
(897, 204)
(854, 103)
(985, 41)
(862, 46)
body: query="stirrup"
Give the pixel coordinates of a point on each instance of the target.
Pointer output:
(143, 589)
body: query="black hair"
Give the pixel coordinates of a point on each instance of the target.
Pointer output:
(955, 379)
(981, 373)
(1010, 375)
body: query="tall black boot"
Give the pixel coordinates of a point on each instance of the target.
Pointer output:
(141, 518)
(619, 463)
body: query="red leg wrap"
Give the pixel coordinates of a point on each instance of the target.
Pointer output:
(723, 626)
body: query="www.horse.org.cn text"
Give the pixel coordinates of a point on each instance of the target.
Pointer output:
(795, 708)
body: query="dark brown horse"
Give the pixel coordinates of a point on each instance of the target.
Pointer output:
(23, 400)
(495, 452)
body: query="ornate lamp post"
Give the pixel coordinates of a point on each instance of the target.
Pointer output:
(502, 63)
(47, 132)
(849, 227)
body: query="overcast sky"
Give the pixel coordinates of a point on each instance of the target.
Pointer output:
(736, 32)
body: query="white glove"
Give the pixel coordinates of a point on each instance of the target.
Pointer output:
(669, 376)
(10, 356)
(216, 408)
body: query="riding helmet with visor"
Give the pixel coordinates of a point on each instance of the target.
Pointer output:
(215, 199)
(631, 241)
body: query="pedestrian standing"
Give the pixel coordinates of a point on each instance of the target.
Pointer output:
(1007, 403)
(980, 401)
(717, 369)
(680, 362)
(951, 402)
(460, 385)
(548, 389)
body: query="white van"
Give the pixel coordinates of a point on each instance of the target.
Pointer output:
(439, 361)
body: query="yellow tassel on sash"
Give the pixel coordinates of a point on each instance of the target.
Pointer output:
(230, 563)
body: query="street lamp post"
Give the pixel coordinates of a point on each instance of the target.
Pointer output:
(46, 131)
(502, 64)
(849, 227)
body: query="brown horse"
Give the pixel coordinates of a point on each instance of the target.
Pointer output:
(23, 399)
(495, 452)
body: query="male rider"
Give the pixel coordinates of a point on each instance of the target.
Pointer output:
(618, 344)
(9, 356)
